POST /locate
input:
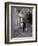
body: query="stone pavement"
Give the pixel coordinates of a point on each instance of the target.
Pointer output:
(19, 32)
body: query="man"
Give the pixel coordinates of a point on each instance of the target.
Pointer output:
(24, 25)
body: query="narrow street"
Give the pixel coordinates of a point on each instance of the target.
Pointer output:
(19, 32)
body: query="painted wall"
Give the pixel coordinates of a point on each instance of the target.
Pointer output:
(37, 22)
(13, 16)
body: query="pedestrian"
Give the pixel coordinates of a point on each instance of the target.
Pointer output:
(24, 25)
